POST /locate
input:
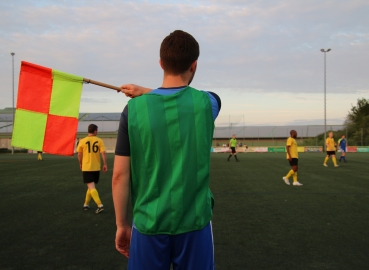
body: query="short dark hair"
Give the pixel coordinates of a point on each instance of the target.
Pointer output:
(92, 128)
(178, 51)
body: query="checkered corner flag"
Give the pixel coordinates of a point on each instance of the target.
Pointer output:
(46, 116)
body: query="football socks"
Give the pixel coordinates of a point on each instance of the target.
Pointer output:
(295, 177)
(88, 197)
(334, 160)
(290, 173)
(326, 159)
(95, 196)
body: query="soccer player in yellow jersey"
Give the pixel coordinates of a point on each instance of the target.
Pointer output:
(89, 150)
(292, 156)
(331, 150)
(39, 155)
(232, 145)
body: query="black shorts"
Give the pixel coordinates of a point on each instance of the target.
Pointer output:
(330, 153)
(89, 177)
(233, 150)
(294, 162)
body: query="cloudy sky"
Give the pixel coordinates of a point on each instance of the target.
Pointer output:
(261, 57)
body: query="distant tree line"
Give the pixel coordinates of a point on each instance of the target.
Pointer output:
(356, 127)
(357, 123)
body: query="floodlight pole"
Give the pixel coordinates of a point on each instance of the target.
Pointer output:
(325, 98)
(12, 54)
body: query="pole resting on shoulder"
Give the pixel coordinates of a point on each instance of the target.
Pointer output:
(102, 84)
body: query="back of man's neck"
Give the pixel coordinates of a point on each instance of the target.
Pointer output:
(171, 81)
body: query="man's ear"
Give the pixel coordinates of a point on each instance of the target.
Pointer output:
(193, 66)
(161, 64)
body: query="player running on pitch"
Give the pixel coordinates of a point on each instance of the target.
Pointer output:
(89, 150)
(331, 150)
(292, 156)
(343, 145)
(232, 145)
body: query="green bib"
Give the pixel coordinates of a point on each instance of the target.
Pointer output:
(170, 139)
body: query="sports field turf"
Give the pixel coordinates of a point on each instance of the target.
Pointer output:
(259, 222)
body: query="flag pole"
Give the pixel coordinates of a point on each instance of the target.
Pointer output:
(102, 84)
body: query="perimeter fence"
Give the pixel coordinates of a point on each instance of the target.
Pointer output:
(275, 135)
(225, 127)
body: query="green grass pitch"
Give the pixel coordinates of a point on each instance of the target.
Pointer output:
(259, 222)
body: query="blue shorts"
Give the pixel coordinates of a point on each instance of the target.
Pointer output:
(192, 250)
(343, 149)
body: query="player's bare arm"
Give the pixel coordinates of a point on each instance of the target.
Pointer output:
(132, 90)
(80, 157)
(120, 191)
(288, 152)
(105, 166)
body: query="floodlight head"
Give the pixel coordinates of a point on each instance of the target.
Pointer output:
(12, 53)
(322, 50)
(328, 50)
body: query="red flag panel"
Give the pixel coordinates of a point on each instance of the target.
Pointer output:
(60, 132)
(35, 85)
